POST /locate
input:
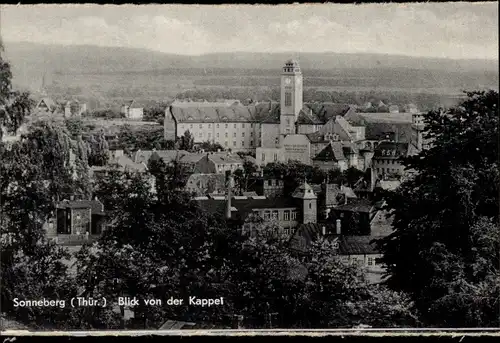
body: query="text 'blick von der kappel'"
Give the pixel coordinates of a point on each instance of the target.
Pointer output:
(191, 301)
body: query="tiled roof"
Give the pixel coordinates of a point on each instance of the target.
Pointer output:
(357, 245)
(95, 205)
(224, 158)
(304, 191)
(399, 149)
(200, 182)
(263, 112)
(347, 245)
(323, 112)
(395, 131)
(185, 157)
(332, 152)
(141, 156)
(215, 112)
(356, 205)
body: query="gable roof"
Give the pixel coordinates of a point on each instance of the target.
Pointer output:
(125, 163)
(95, 205)
(356, 205)
(347, 245)
(336, 151)
(48, 102)
(224, 158)
(320, 113)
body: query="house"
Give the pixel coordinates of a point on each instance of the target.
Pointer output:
(132, 111)
(74, 108)
(46, 105)
(76, 221)
(186, 159)
(350, 249)
(267, 186)
(202, 184)
(337, 155)
(285, 212)
(218, 163)
(387, 159)
(355, 215)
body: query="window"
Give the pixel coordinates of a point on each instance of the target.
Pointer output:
(234, 134)
(234, 143)
(201, 126)
(371, 261)
(251, 143)
(243, 125)
(242, 143)
(217, 135)
(275, 157)
(226, 134)
(225, 143)
(277, 140)
(267, 215)
(288, 121)
(275, 215)
(287, 231)
(251, 134)
(251, 125)
(235, 126)
(243, 134)
(190, 126)
(217, 125)
(310, 205)
(200, 134)
(209, 126)
(226, 126)
(288, 99)
(263, 157)
(294, 215)
(269, 182)
(286, 215)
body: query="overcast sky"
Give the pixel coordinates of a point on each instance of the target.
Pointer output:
(452, 30)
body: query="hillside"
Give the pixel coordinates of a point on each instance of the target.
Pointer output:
(108, 76)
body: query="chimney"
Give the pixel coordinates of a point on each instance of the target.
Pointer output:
(323, 231)
(218, 150)
(338, 226)
(228, 193)
(71, 197)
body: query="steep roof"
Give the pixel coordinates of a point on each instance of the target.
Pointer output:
(304, 191)
(224, 158)
(356, 205)
(347, 245)
(95, 205)
(336, 151)
(320, 113)
(125, 163)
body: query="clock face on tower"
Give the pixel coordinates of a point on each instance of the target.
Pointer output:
(288, 80)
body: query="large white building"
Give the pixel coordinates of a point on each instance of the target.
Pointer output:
(290, 129)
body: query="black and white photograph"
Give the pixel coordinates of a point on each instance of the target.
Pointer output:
(249, 167)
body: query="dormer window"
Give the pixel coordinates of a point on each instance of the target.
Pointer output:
(190, 118)
(224, 118)
(207, 118)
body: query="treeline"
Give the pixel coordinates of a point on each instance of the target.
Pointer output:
(423, 101)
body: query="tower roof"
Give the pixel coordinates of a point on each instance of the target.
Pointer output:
(292, 63)
(304, 191)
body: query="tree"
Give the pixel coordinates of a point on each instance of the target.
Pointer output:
(294, 173)
(446, 218)
(210, 146)
(34, 173)
(98, 151)
(186, 142)
(155, 113)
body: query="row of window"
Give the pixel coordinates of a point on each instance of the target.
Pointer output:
(201, 126)
(387, 170)
(286, 215)
(388, 161)
(275, 157)
(226, 143)
(200, 134)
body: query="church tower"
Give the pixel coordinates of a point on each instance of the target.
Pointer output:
(307, 201)
(291, 96)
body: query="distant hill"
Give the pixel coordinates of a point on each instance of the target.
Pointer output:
(97, 68)
(83, 58)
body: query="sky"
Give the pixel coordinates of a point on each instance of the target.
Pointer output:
(448, 30)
